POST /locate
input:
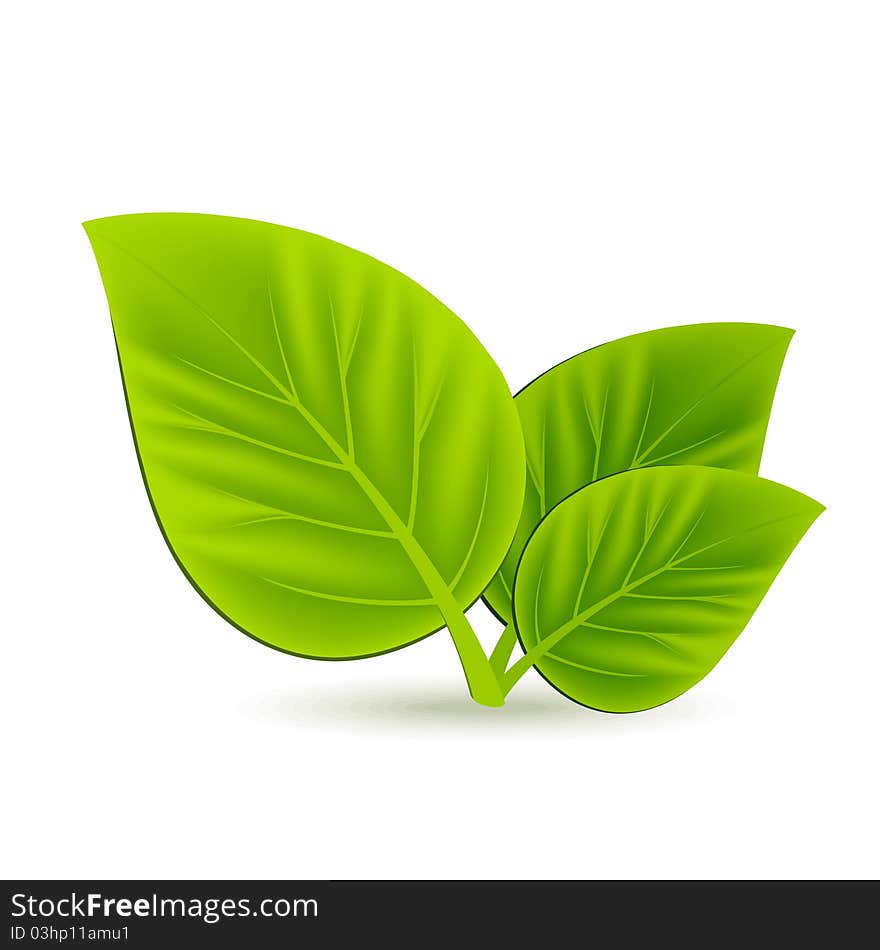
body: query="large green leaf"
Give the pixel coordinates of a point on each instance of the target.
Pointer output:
(334, 459)
(633, 588)
(698, 395)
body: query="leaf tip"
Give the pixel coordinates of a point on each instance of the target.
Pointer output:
(95, 227)
(779, 333)
(92, 227)
(812, 508)
(774, 332)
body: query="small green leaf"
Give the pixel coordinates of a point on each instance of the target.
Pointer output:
(697, 395)
(633, 588)
(334, 459)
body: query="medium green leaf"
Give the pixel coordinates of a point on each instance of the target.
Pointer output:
(333, 458)
(633, 588)
(697, 395)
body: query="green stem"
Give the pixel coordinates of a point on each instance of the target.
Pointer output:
(483, 684)
(523, 665)
(503, 649)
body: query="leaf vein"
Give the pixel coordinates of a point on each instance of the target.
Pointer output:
(351, 599)
(698, 402)
(216, 428)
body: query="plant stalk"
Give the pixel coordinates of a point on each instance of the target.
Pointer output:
(482, 681)
(503, 649)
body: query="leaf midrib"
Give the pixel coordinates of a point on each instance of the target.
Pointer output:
(441, 593)
(545, 645)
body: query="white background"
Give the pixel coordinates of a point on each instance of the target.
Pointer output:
(560, 174)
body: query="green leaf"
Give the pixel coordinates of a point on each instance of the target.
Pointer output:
(633, 588)
(333, 458)
(697, 395)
